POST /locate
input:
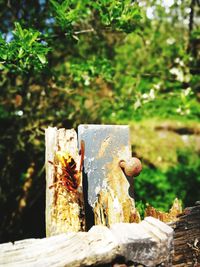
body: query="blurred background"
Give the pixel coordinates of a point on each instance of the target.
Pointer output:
(68, 62)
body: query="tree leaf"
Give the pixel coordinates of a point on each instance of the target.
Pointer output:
(19, 30)
(42, 58)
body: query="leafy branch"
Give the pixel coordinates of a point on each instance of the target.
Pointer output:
(26, 51)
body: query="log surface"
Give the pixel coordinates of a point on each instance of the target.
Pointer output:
(149, 243)
(187, 238)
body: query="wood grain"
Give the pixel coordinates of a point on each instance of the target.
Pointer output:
(187, 238)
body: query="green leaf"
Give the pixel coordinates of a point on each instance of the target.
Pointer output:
(34, 37)
(55, 4)
(65, 4)
(3, 56)
(42, 58)
(19, 30)
(21, 52)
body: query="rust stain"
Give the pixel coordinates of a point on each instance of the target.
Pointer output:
(103, 147)
(114, 203)
(68, 201)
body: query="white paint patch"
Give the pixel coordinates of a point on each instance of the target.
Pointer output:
(97, 190)
(116, 204)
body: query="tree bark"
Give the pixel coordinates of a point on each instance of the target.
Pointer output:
(187, 238)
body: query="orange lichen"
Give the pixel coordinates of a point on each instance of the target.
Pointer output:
(170, 216)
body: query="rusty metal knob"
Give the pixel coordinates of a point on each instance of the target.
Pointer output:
(131, 167)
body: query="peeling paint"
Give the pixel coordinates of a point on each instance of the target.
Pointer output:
(108, 187)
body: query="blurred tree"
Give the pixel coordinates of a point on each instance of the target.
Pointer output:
(160, 74)
(55, 62)
(68, 62)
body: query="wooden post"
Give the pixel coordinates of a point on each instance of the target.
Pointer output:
(109, 193)
(64, 195)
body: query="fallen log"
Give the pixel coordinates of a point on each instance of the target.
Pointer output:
(187, 237)
(148, 243)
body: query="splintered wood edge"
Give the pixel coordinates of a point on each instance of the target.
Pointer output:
(100, 245)
(50, 145)
(114, 203)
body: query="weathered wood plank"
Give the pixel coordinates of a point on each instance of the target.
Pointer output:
(101, 245)
(64, 195)
(108, 189)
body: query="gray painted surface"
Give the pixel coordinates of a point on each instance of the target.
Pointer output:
(102, 144)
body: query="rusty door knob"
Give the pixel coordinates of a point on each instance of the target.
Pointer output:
(132, 167)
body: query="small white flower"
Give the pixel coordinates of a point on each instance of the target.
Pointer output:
(178, 73)
(187, 91)
(19, 113)
(150, 12)
(137, 104)
(145, 96)
(152, 94)
(170, 41)
(157, 86)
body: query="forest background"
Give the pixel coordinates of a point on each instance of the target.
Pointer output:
(64, 63)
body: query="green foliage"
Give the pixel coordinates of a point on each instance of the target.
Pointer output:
(68, 12)
(170, 155)
(159, 188)
(122, 15)
(24, 52)
(85, 71)
(153, 187)
(185, 177)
